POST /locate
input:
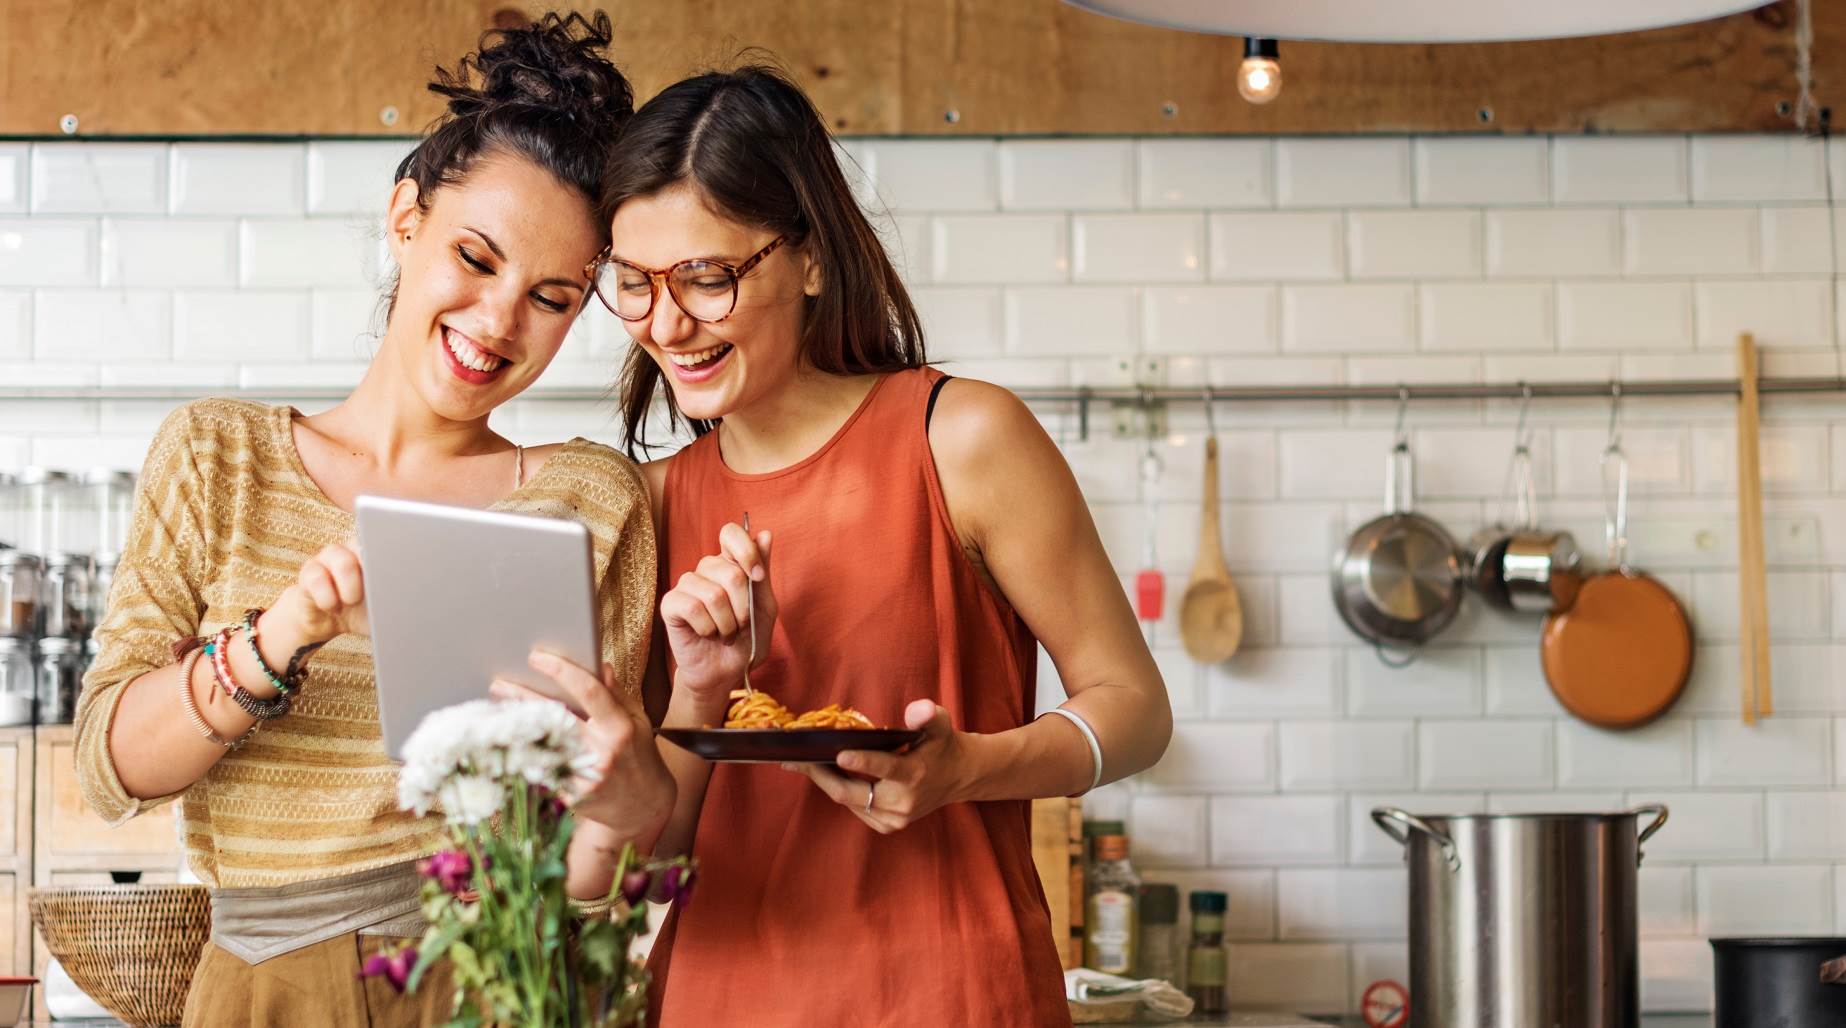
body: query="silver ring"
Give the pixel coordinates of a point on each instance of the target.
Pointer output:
(871, 793)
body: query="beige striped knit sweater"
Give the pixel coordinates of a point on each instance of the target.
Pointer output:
(224, 518)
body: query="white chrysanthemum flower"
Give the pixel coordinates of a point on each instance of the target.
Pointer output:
(470, 799)
(459, 755)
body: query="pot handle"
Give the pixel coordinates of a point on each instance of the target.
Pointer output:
(1659, 810)
(1398, 824)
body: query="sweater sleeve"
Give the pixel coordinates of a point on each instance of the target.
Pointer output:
(154, 602)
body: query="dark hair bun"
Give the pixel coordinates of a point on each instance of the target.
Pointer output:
(544, 92)
(555, 66)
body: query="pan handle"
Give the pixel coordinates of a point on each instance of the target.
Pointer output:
(1659, 810)
(1398, 824)
(1400, 479)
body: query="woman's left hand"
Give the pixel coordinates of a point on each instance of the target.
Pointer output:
(628, 788)
(905, 787)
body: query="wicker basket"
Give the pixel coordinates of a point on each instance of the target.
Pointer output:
(131, 947)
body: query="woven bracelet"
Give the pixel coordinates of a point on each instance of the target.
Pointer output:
(263, 710)
(284, 684)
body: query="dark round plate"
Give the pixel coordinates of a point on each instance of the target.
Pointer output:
(786, 745)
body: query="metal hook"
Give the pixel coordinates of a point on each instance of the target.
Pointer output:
(1615, 414)
(1522, 440)
(1403, 409)
(1211, 418)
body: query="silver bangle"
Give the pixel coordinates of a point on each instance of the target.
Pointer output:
(1089, 736)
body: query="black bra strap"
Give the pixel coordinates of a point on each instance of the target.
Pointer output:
(934, 392)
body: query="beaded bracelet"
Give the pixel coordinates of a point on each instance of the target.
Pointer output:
(191, 705)
(284, 684)
(219, 650)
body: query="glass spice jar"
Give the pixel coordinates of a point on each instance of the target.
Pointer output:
(19, 587)
(111, 506)
(1160, 949)
(46, 501)
(18, 682)
(12, 517)
(60, 676)
(1111, 926)
(1205, 957)
(64, 596)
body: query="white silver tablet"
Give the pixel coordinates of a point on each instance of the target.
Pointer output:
(458, 597)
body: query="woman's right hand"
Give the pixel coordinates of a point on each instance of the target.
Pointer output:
(707, 616)
(327, 598)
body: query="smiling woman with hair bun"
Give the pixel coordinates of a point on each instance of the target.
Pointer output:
(241, 534)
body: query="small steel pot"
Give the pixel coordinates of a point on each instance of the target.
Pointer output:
(1525, 570)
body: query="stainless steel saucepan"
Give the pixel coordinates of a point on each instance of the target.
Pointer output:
(1398, 582)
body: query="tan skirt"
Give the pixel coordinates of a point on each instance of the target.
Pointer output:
(317, 986)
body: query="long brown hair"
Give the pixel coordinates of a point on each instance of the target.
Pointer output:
(752, 144)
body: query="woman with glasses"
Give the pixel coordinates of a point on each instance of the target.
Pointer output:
(926, 537)
(269, 731)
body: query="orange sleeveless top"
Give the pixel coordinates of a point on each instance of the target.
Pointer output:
(803, 915)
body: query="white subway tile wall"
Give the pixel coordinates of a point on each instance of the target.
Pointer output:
(1249, 261)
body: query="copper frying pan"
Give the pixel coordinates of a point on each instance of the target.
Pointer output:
(1621, 654)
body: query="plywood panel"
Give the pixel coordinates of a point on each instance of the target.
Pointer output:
(332, 67)
(1038, 67)
(1051, 855)
(15, 940)
(928, 67)
(68, 835)
(16, 753)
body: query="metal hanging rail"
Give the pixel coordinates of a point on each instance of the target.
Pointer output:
(1077, 394)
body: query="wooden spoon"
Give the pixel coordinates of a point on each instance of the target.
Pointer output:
(1210, 615)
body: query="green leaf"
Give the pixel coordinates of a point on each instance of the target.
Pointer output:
(600, 946)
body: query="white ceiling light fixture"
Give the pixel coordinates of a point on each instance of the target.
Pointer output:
(1414, 21)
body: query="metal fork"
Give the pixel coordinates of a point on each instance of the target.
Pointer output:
(750, 593)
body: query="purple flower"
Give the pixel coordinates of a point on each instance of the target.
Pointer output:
(549, 802)
(452, 869)
(392, 967)
(634, 886)
(676, 883)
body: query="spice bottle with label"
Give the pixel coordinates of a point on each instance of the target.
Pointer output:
(1160, 949)
(1205, 957)
(1111, 924)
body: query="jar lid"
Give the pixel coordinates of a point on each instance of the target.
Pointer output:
(109, 476)
(14, 644)
(19, 558)
(1206, 902)
(1091, 829)
(92, 647)
(58, 646)
(1160, 903)
(68, 560)
(42, 476)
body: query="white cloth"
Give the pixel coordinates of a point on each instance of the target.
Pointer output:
(1158, 999)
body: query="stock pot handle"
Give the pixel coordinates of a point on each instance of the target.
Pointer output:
(1659, 810)
(1398, 824)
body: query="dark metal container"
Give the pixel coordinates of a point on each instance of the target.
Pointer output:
(1776, 983)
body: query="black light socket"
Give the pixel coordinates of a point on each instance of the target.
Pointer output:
(1254, 47)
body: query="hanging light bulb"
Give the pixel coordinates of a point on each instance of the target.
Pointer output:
(1259, 79)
